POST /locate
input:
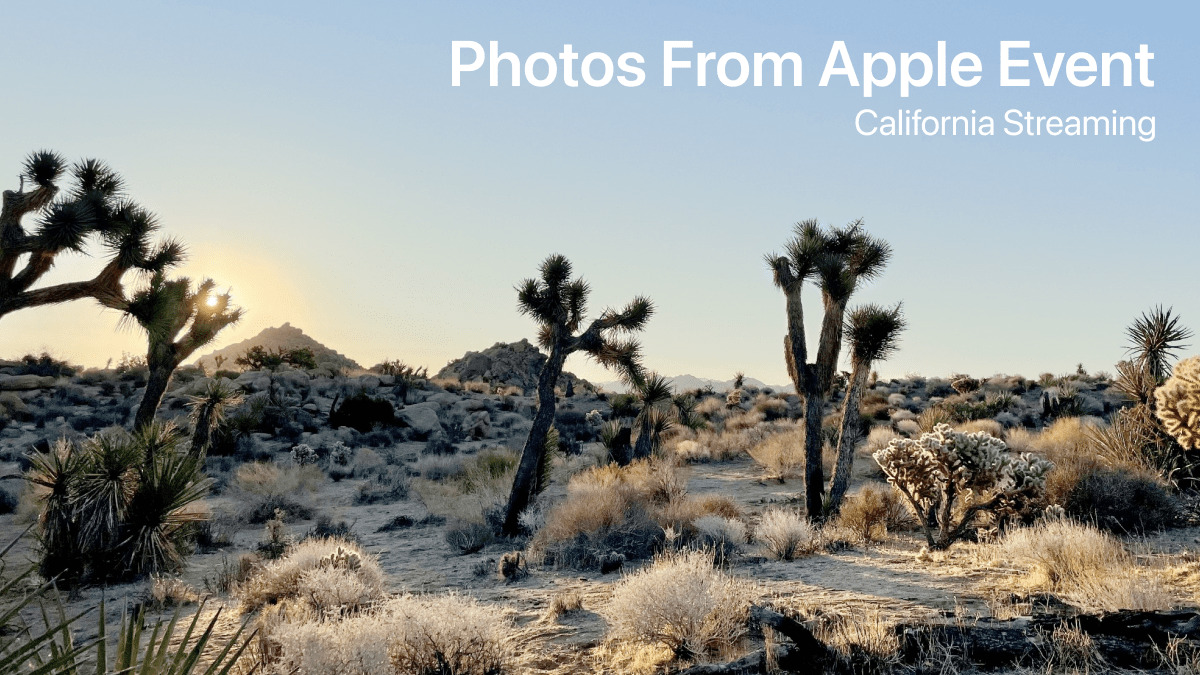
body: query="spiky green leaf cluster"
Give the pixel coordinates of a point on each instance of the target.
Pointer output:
(116, 505)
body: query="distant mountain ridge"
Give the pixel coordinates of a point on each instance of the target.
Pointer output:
(286, 336)
(684, 383)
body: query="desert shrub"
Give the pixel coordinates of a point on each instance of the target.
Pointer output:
(363, 413)
(683, 603)
(719, 505)
(721, 445)
(564, 603)
(391, 484)
(261, 358)
(326, 527)
(611, 509)
(988, 426)
(439, 467)
(1121, 501)
(325, 574)
(264, 487)
(724, 536)
(1136, 440)
(44, 365)
(367, 462)
(746, 420)
(1178, 402)
(408, 635)
(1082, 564)
(785, 534)
(9, 500)
(167, 592)
(779, 454)
(772, 408)
(873, 512)
(928, 420)
(117, 505)
(464, 538)
(950, 478)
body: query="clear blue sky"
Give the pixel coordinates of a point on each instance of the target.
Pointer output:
(316, 158)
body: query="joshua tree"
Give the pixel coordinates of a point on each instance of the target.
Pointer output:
(660, 410)
(558, 304)
(165, 309)
(208, 410)
(91, 208)
(837, 260)
(873, 333)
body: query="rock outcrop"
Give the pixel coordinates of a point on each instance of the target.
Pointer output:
(286, 336)
(516, 364)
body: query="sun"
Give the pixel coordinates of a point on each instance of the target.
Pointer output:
(211, 301)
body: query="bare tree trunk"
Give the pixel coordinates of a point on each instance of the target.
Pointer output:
(156, 386)
(848, 438)
(527, 470)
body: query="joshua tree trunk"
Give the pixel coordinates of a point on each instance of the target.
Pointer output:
(644, 444)
(831, 342)
(202, 434)
(848, 437)
(161, 370)
(527, 470)
(814, 471)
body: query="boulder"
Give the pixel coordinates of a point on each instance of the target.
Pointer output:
(25, 382)
(516, 364)
(422, 418)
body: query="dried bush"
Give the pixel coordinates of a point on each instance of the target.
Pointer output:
(408, 635)
(780, 454)
(325, 574)
(785, 534)
(391, 484)
(949, 478)
(1121, 501)
(725, 536)
(1178, 402)
(464, 538)
(1082, 564)
(683, 603)
(873, 512)
(168, 592)
(264, 487)
(611, 509)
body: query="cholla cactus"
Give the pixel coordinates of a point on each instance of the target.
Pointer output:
(733, 399)
(341, 559)
(304, 454)
(340, 453)
(1178, 402)
(950, 477)
(594, 417)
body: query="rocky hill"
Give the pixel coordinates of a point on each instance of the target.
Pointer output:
(684, 383)
(514, 364)
(286, 336)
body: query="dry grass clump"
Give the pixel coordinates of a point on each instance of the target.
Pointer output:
(683, 603)
(742, 421)
(725, 536)
(264, 487)
(325, 574)
(780, 454)
(718, 446)
(465, 538)
(423, 635)
(989, 426)
(167, 592)
(1083, 565)
(873, 512)
(864, 640)
(564, 603)
(785, 534)
(482, 484)
(612, 509)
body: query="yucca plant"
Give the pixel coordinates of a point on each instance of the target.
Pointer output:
(117, 505)
(558, 304)
(91, 209)
(873, 332)
(837, 260)
(208, 412)
(1155, 338)
(659, 409)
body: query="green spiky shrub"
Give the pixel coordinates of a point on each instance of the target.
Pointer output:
(117, 505)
